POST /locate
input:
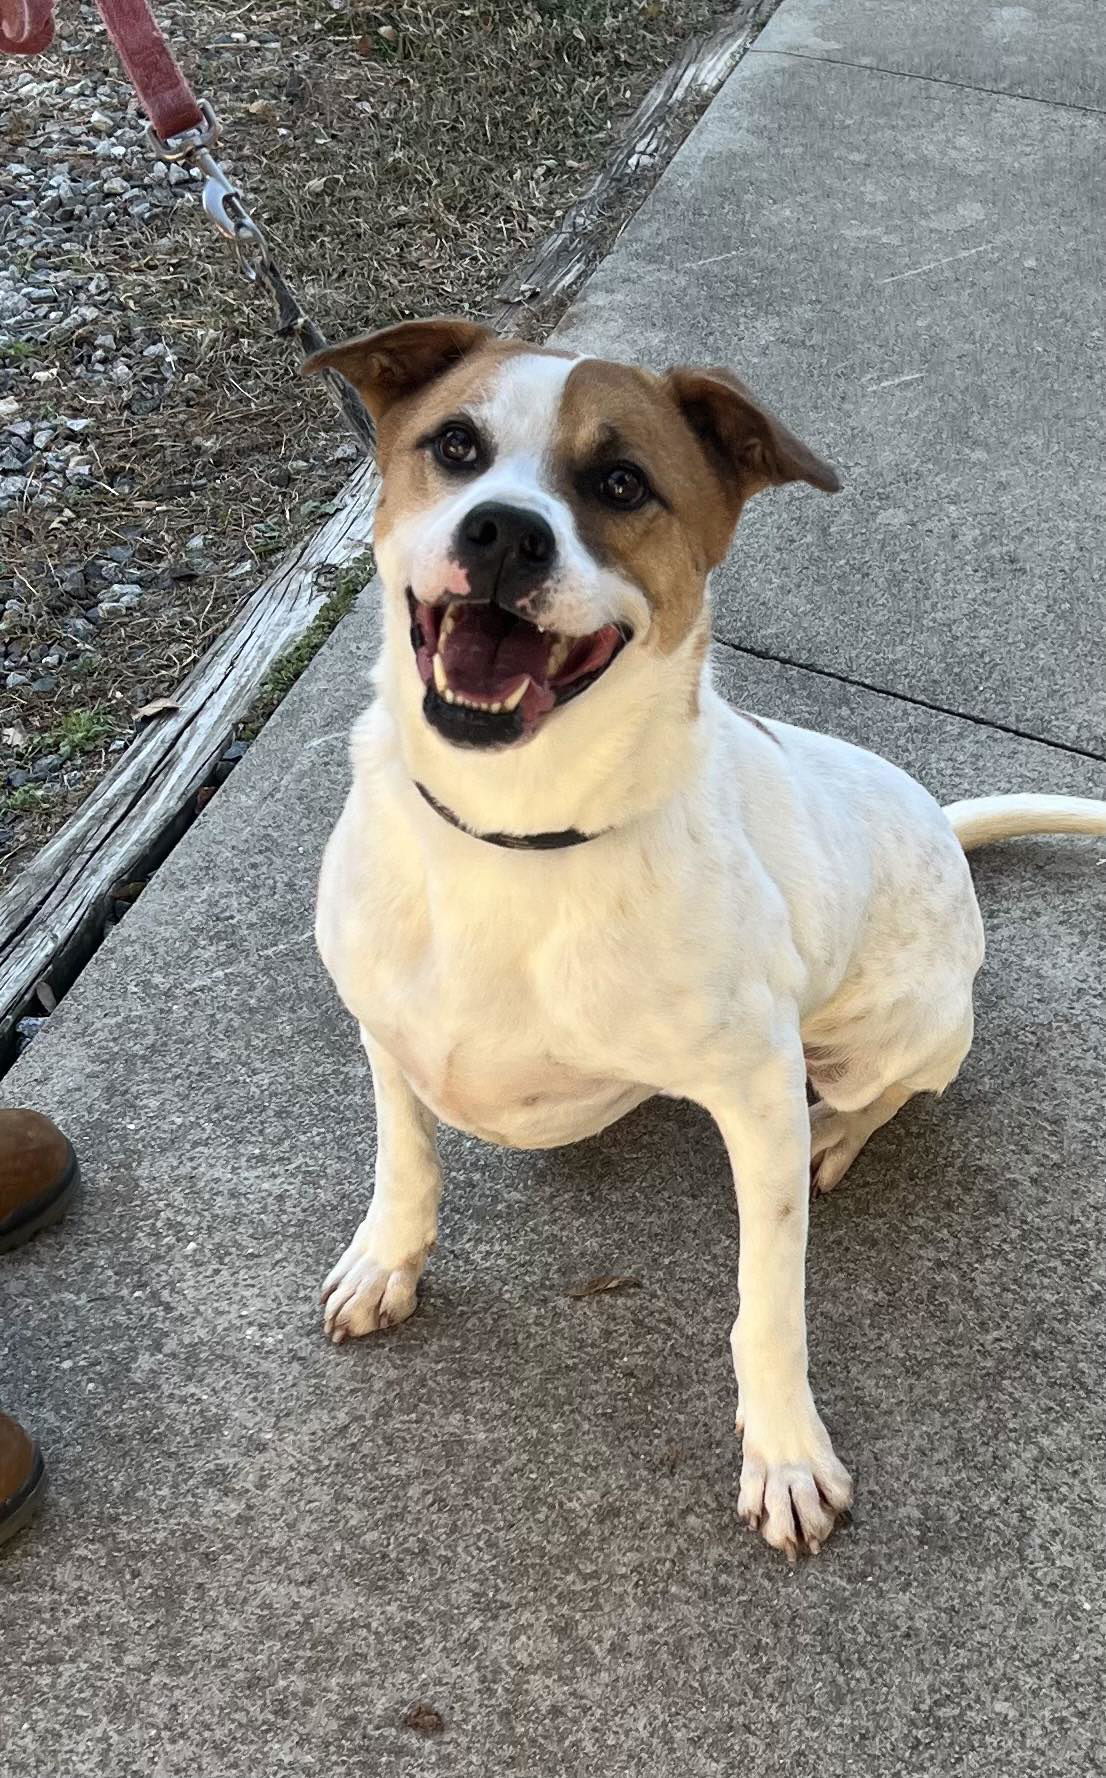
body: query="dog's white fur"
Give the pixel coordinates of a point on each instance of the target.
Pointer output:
(762, 904)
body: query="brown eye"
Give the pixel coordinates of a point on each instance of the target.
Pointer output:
(455, 447)
(624, 487)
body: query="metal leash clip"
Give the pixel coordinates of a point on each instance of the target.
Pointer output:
(221, 199)
(225, 208)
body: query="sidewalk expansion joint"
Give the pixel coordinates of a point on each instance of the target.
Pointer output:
(903, 697)
(963, 86)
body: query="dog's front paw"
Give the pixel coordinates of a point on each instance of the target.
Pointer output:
(366, 1292)
(792, 1486)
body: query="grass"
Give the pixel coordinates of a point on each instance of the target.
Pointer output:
(23, 800)
(481, 122)
(79, 731)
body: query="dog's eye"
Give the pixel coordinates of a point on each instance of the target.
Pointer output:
(456, 446)
(624, 486)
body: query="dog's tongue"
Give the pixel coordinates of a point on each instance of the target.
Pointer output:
(488, 651)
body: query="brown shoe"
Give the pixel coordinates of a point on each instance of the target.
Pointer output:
(22, 1478)
(38, 1175)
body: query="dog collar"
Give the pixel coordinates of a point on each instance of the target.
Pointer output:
(514, 842)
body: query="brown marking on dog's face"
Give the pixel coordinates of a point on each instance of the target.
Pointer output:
(411, 482)
(613, 415)
(704, 446)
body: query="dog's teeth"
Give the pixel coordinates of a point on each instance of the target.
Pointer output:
(440, 679)
(516, 697)
(448, 622)
(495, 709)
(558, 654)
(448, 695)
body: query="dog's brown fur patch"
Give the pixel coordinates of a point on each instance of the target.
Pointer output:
(613, 413)
(412, 377)
(750, 447)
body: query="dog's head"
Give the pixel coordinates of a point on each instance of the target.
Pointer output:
(545, 516)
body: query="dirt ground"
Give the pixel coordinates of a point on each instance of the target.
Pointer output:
(156, 449)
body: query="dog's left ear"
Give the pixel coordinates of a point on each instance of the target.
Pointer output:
(749, 447)
(398, 361)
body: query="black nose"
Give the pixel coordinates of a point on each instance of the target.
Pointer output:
(506, 550)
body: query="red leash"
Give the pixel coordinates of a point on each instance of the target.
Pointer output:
(27, 27)
(167, 99)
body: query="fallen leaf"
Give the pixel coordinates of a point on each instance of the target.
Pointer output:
(424, 1719)
(203, 797)
(159, 707)
(606, 1281)
(16, 737)
(128, 892)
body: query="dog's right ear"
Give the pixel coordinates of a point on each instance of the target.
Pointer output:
(398, 361)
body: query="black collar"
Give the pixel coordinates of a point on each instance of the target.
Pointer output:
(515, 842)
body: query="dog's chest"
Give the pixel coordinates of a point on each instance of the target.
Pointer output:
(526, 1027)
(527, 1096)
(514, 1047)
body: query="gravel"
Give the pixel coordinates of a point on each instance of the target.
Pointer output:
(102, 323)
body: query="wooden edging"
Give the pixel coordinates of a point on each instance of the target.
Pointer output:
(656, 129)
(55, 912)
(53, 915)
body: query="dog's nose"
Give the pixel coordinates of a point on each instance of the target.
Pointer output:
(506, 550)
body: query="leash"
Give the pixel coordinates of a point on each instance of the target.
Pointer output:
(184, 130)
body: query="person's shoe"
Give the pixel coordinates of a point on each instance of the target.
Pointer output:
(22, 1478)
(38, 1175)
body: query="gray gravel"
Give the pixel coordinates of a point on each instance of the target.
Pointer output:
(78, 166)
(77, 361)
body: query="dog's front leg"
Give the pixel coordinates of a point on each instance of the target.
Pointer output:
(373, 1285)
(792, 1485)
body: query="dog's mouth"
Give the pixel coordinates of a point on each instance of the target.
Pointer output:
(492, 678)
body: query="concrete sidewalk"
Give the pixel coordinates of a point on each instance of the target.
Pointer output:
(520, 1509)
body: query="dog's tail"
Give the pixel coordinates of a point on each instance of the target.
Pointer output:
(981, 819)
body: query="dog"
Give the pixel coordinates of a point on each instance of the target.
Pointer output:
(569, 876)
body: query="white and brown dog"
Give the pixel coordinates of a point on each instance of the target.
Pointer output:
(569, 876)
